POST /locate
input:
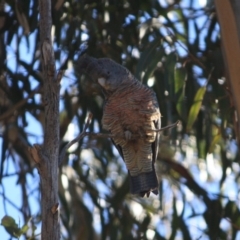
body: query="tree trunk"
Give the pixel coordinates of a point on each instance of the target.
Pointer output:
(49, 153)
(228, 17)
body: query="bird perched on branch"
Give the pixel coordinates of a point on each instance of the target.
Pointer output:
(131, 113)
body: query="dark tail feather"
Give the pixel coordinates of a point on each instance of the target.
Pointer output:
(144, 184)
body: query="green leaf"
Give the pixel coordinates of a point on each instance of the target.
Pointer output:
(195, 108)
(147, 56)
(152, 65)
(8, 221)
(170, 64)
(24, 229)
(179, 87)
(217, 138)
(11, 226)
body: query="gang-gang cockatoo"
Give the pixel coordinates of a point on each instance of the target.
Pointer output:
(131, 113)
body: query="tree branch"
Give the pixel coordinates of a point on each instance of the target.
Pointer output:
(47, 155)
(78, 138)
(102, 135)
(18, 105)
(228, 16)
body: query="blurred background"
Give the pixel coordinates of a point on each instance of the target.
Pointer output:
(173, 47)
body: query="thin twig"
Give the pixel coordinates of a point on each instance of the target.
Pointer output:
(18, 105)
(167, 127)
(210, 75)
(133, 136)
(195, 59)
(78, 138)
(102, 135)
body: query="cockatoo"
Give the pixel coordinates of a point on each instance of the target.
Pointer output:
(131, 114)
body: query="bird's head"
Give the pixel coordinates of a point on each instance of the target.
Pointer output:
(112, 75)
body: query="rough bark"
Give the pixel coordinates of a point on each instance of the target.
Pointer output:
(49, 152)
(228, 17)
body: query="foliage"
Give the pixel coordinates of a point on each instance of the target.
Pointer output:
(12, 228)
(175, 48)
